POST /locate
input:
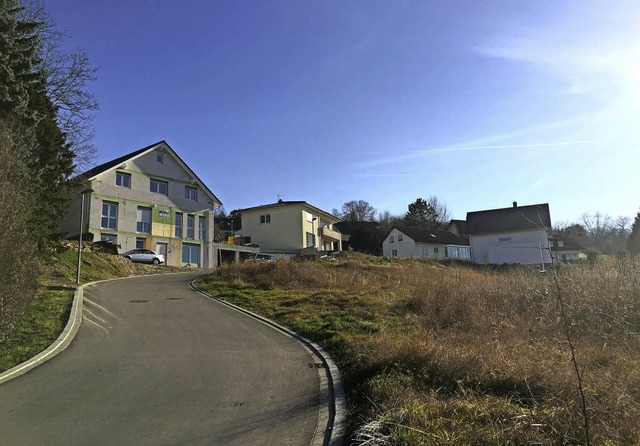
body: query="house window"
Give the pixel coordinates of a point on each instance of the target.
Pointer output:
(190, 254)
(394, 252)
(123, 179)
(424, 251)
(202, 228)
(109, 215)
(560, 244)
(504, 239)
(160, 158)
(159, 187)
(191, 193)
(391, 239)
(141, 243)
(109, 238)
(265, 219)
(144, 220)
(178, 232)
(311, 240)
(435, 250)
(190, 224)
(399, 237)
(457, 252)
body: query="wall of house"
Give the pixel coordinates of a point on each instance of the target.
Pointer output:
(163, 207)
(287, 231)
(284, 233)
(407, 247)
(404, 248)
(521, 247)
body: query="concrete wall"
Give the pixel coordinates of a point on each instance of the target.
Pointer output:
(521, 247)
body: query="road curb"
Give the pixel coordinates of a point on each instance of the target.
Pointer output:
(68, 334)
(61, 343)
(335, 429)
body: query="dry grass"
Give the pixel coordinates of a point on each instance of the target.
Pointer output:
(436, 354)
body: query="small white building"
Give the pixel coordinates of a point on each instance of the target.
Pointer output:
(565, 249)
(519, 234)
(404, 241)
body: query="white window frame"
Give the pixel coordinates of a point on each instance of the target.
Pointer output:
(108, 216)
(158, 183)
(120, 177)
(141, 224)
(191, 193)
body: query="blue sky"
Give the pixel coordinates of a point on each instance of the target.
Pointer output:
(478, 103)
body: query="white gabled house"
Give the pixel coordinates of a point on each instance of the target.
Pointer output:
(405, 241)
(147, 199)
(518, 234)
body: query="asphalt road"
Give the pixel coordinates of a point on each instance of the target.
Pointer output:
(155, 363)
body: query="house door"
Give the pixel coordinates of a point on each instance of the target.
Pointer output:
(161, 248)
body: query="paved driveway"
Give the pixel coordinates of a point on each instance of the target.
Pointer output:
(157, 363)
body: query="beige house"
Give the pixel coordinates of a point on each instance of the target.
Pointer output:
(291, 228)
(147, 199)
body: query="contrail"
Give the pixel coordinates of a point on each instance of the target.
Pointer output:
(514, 146)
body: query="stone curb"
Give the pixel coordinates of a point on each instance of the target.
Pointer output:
(67, 335)
(336, 424)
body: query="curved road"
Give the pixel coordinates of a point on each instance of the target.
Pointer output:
(156, 363)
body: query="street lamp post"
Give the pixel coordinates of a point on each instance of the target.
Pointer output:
(83, 193)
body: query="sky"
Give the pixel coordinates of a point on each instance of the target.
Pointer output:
(478, 103)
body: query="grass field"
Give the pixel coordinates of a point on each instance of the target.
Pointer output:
(436, 354)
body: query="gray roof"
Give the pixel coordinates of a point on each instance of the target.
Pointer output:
(435, 236)
(515, 218)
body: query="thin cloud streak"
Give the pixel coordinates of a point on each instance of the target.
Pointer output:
(387, 175)
(512, 146)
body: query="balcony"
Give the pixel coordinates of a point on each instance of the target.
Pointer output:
(330, 235)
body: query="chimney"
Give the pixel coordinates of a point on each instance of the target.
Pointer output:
(515, 204)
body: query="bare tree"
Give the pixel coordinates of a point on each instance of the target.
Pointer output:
(357, 210)
(598, 225)
(388, 221)
(622, 223)
(67, 76)
(443, 214)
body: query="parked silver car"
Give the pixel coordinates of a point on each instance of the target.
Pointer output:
(144, 256)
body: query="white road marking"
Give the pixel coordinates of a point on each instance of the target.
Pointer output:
(96, 324)
(101, 307)
(97, 317)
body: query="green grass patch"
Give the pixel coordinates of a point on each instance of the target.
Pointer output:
(46, 317)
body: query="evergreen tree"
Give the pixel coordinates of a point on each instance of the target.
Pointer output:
(421, 214)
(633, 242)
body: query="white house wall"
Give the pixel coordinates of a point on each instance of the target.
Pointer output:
(521, 247)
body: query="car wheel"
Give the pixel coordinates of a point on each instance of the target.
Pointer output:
(128, 258)
(156, 262)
